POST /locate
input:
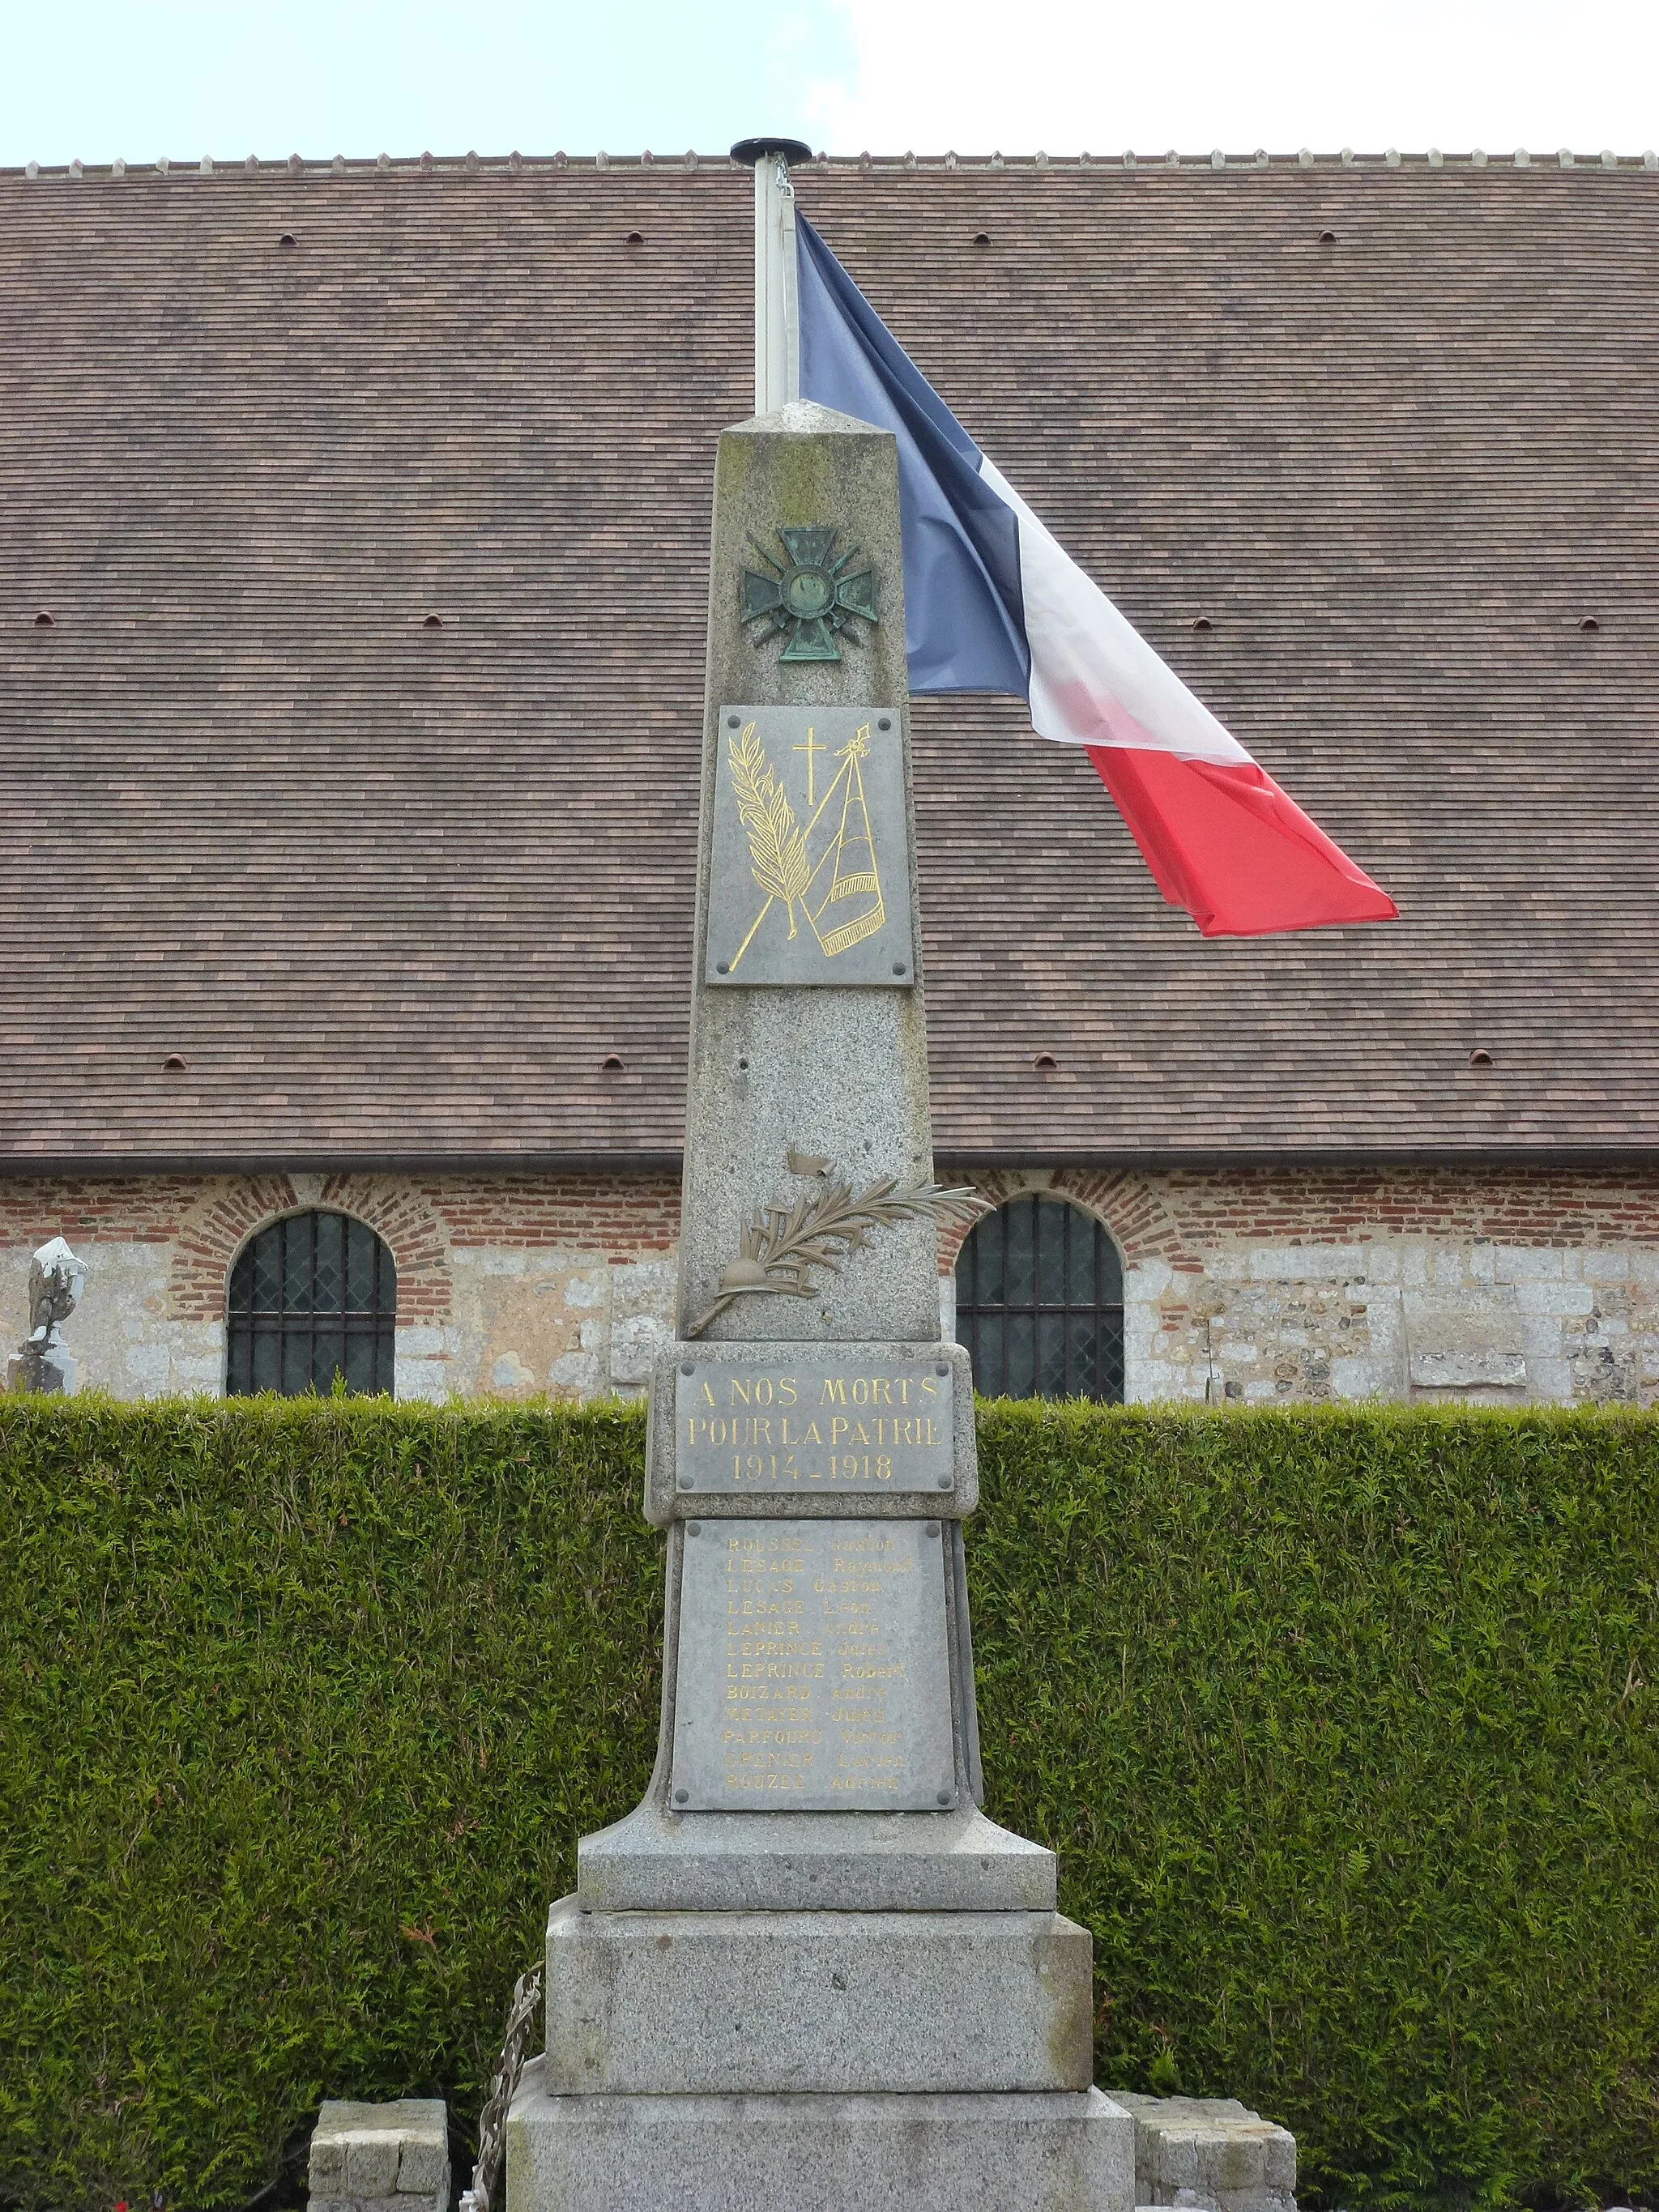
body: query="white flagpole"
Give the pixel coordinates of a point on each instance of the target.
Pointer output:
(777, 323)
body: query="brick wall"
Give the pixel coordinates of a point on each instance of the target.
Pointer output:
(1259, 1284)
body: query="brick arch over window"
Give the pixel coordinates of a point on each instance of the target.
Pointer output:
(234, 1210)
(1127, 1207)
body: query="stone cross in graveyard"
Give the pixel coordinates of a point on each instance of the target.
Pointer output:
(807, 1970)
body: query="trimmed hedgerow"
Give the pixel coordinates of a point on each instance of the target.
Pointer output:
(304, 1707)
(1341, 1724)
(1343, 1727)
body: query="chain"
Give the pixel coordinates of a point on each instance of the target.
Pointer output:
(492, 2126)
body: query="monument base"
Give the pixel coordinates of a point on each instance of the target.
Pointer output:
(716, 2003)
(658, 1861)
(1051, 2151)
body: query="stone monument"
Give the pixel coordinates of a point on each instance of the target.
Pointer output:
(808, 1972)
(42, 1362)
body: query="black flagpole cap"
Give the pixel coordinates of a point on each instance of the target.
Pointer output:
(751, 150)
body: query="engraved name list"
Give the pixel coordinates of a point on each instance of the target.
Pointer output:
(813, 1667)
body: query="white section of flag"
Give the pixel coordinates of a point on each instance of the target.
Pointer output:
(1095, 680)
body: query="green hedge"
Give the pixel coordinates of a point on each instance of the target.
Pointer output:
(1341, 1724)
(1343, 1727)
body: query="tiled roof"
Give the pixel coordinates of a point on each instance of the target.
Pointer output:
(397, 893)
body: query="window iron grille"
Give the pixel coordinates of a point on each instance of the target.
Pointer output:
(313, 1296)
(1039, 1303)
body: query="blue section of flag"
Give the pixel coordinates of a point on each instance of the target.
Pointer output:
(964, 609)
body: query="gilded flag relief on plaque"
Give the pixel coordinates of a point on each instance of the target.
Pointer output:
(810, 880)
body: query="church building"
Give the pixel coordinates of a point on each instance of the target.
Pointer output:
(354, 525)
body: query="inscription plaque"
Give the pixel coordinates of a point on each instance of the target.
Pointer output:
(813, 1668)
(813, 1423)
(810, 878)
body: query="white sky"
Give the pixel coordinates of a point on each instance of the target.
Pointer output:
(184, 78)
(1102, 75)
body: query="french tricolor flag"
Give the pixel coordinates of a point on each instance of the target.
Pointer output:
(994, 603)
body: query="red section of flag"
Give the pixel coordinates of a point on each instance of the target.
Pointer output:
(1229, 846)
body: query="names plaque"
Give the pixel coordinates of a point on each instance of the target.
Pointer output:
(813, 1668)
(817, 1422)
(809, 880)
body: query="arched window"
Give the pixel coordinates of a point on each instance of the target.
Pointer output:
(312, 1296)
(1039, 1303)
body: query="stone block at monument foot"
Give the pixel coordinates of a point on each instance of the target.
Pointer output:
(1210, 2155)
(381, 2158)
(1062, 2152)
(645, 2003)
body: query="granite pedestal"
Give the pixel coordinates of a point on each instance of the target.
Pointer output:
(658, 1860)
(1062, 2151)
(649, 2003)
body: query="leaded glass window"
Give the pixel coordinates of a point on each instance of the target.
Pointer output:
(1039, 1303)
(312, 1296)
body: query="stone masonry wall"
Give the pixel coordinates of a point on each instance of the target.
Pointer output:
(1503, 1287)
(1500, 1287)
(508, 1285)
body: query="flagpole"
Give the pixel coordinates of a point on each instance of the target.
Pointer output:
(777, 323)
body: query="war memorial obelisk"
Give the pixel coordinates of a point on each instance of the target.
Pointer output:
(808, 1973)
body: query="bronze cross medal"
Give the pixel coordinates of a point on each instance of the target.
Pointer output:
(809, 600)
